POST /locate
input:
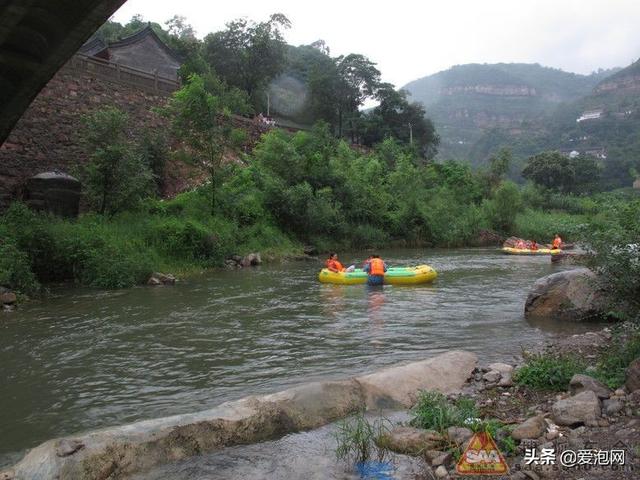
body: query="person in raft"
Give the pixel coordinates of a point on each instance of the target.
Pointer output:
(367, 261)
(335, 266)
(534, 245)
(557, 242)
(375, 270)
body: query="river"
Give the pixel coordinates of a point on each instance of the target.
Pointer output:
(82, 358)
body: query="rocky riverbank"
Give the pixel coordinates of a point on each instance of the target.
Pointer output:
(533, 426)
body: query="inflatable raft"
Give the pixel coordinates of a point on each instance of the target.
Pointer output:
(393, 276)
(526, 251)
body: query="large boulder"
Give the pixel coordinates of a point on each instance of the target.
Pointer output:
(632, 381)
(572, 295)
(580, 383)
(581, 408)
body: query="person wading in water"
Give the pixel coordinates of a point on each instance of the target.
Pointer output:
(375, 270)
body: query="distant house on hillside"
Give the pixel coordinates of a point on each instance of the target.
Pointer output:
(597, 152)
(143, 50)
(589, 115)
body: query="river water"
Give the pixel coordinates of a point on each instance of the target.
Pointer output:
(82, 359)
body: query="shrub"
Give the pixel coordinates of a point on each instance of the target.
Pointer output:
(116, 176)
(111, 268)
(15, 269)
(502, 208)
(542, 226)
(359, 439)
(613, 362)
(433, 411)
(184, 239)
(548, 372)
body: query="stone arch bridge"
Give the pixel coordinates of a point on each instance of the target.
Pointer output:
(36, 38)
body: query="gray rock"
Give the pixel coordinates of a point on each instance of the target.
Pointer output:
(7, 475)
(251, 260)
(572, 295)
(68, 447)
(632, 381)
(580, 383)
(442, 459)
(459, 435)
(501, 367)
(531, 428)
(441, 472)
(611, 407)
(158, 278)
(154, 281)
(492, 376)
(8, 298)
(581, 408)
(411, 441)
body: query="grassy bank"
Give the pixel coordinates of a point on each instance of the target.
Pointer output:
(123, 250)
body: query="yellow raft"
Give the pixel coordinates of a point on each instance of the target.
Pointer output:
(393, 276)
(526, 251)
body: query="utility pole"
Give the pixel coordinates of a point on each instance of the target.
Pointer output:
(268, 103)
(410, 134)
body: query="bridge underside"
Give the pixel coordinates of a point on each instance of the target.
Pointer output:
(36, 38)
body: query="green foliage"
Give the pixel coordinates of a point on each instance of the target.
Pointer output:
(434, 412)
(613, 239)
(396, 118)
(561, 173)
(15, 268)
(200, 114)
(248, 55)
(548, 372)
(501, 210)
(116, 176)
(359, 439)
(613, 362)
(542, 226)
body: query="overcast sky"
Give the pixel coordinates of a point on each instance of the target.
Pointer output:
(409, 40)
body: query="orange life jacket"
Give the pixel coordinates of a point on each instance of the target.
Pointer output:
(334, 264)
(557, 242)
(376, 266)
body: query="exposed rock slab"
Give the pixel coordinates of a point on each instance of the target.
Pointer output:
(398, 386)
(411, 441)
(120, 451)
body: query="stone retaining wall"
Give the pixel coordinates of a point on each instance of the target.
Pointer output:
(120, 451)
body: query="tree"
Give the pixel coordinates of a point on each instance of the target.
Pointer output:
(358, 79)
(499, 166)
(248, 55)
(116, 177)
(397, 118)
(502, 208)
(200, 114)
(561, 173)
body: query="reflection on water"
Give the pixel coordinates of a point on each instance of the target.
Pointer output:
(85, 358)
